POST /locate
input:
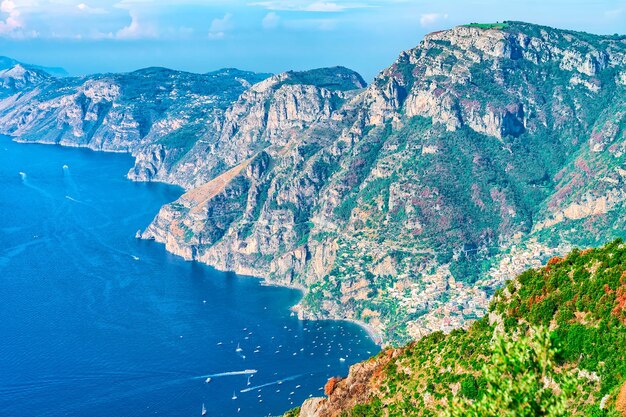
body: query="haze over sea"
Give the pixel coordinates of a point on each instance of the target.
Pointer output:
(94, 322)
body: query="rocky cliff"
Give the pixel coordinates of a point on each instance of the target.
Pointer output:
(122, 112)
(18, 78)
(403, 204)
(407, 203)
(271, 114)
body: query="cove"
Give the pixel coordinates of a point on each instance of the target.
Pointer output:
(95, 322)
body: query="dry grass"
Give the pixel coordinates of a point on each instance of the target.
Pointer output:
(202, 194)
(620, 404)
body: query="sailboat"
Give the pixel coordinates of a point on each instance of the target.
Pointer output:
(203, 410)
(234, 395)
(239, 349)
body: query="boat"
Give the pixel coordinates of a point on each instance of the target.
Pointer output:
(208, 380)
(342, 359)
(234, 395)
(239, 349)
(203, 410)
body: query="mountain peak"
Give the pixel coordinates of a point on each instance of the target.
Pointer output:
(332, 78)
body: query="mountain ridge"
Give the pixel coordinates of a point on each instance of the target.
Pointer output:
(403, 204)
(423, 98)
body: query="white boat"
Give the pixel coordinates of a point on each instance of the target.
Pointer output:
(234, 395)
(342, 359)
(203, 410)
(208, 380)
(239, 349)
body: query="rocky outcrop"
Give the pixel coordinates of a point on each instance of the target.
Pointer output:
(390, 203)
(404, 193)
(359, 387)
(271, 113)
(19, 78)
(447, 76)
(155, 113)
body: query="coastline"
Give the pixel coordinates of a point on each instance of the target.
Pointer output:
(69, 145)
(374, 334)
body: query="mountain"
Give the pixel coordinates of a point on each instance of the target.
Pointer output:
(483, 151)
(6, 63)
(123, 112)
(403, 204)
(271, 111)
(17, 78)
(564, 323)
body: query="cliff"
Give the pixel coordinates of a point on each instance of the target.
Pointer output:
(18, 78)
(123, 112)
(404, 204)
(407, 203)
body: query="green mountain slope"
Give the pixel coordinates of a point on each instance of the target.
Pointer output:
(407, 203)
(554, 343)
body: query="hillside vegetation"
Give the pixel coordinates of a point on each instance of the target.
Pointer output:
(404, 204)
(553, 344)
(481, 152)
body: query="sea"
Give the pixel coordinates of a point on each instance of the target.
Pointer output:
(94, 322)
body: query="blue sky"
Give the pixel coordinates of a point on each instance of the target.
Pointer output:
(87, 36)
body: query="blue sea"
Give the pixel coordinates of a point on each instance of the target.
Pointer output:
(94, 322)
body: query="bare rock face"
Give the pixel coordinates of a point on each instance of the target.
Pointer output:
(159, 110)
(447, 76)
(361, 384)
(409, 191)
(19, 78)
(402, 204)
(271, 113)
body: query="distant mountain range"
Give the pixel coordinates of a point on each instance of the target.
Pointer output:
(6, 63)
(405, 204)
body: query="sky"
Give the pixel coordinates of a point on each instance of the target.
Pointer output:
(92, 36)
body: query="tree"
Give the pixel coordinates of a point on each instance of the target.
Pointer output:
(523, 380)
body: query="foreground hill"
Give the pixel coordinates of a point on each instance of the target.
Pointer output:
(555, 338)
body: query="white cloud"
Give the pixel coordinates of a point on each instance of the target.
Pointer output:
(324, 7)
(219, 27)
(270, 21)
(13, 21)
(309, 6)
(91, 10)
(136, 29)
(429, 19)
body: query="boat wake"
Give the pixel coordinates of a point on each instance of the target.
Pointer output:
(278, 382)
(27, 183)
(231, 373)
